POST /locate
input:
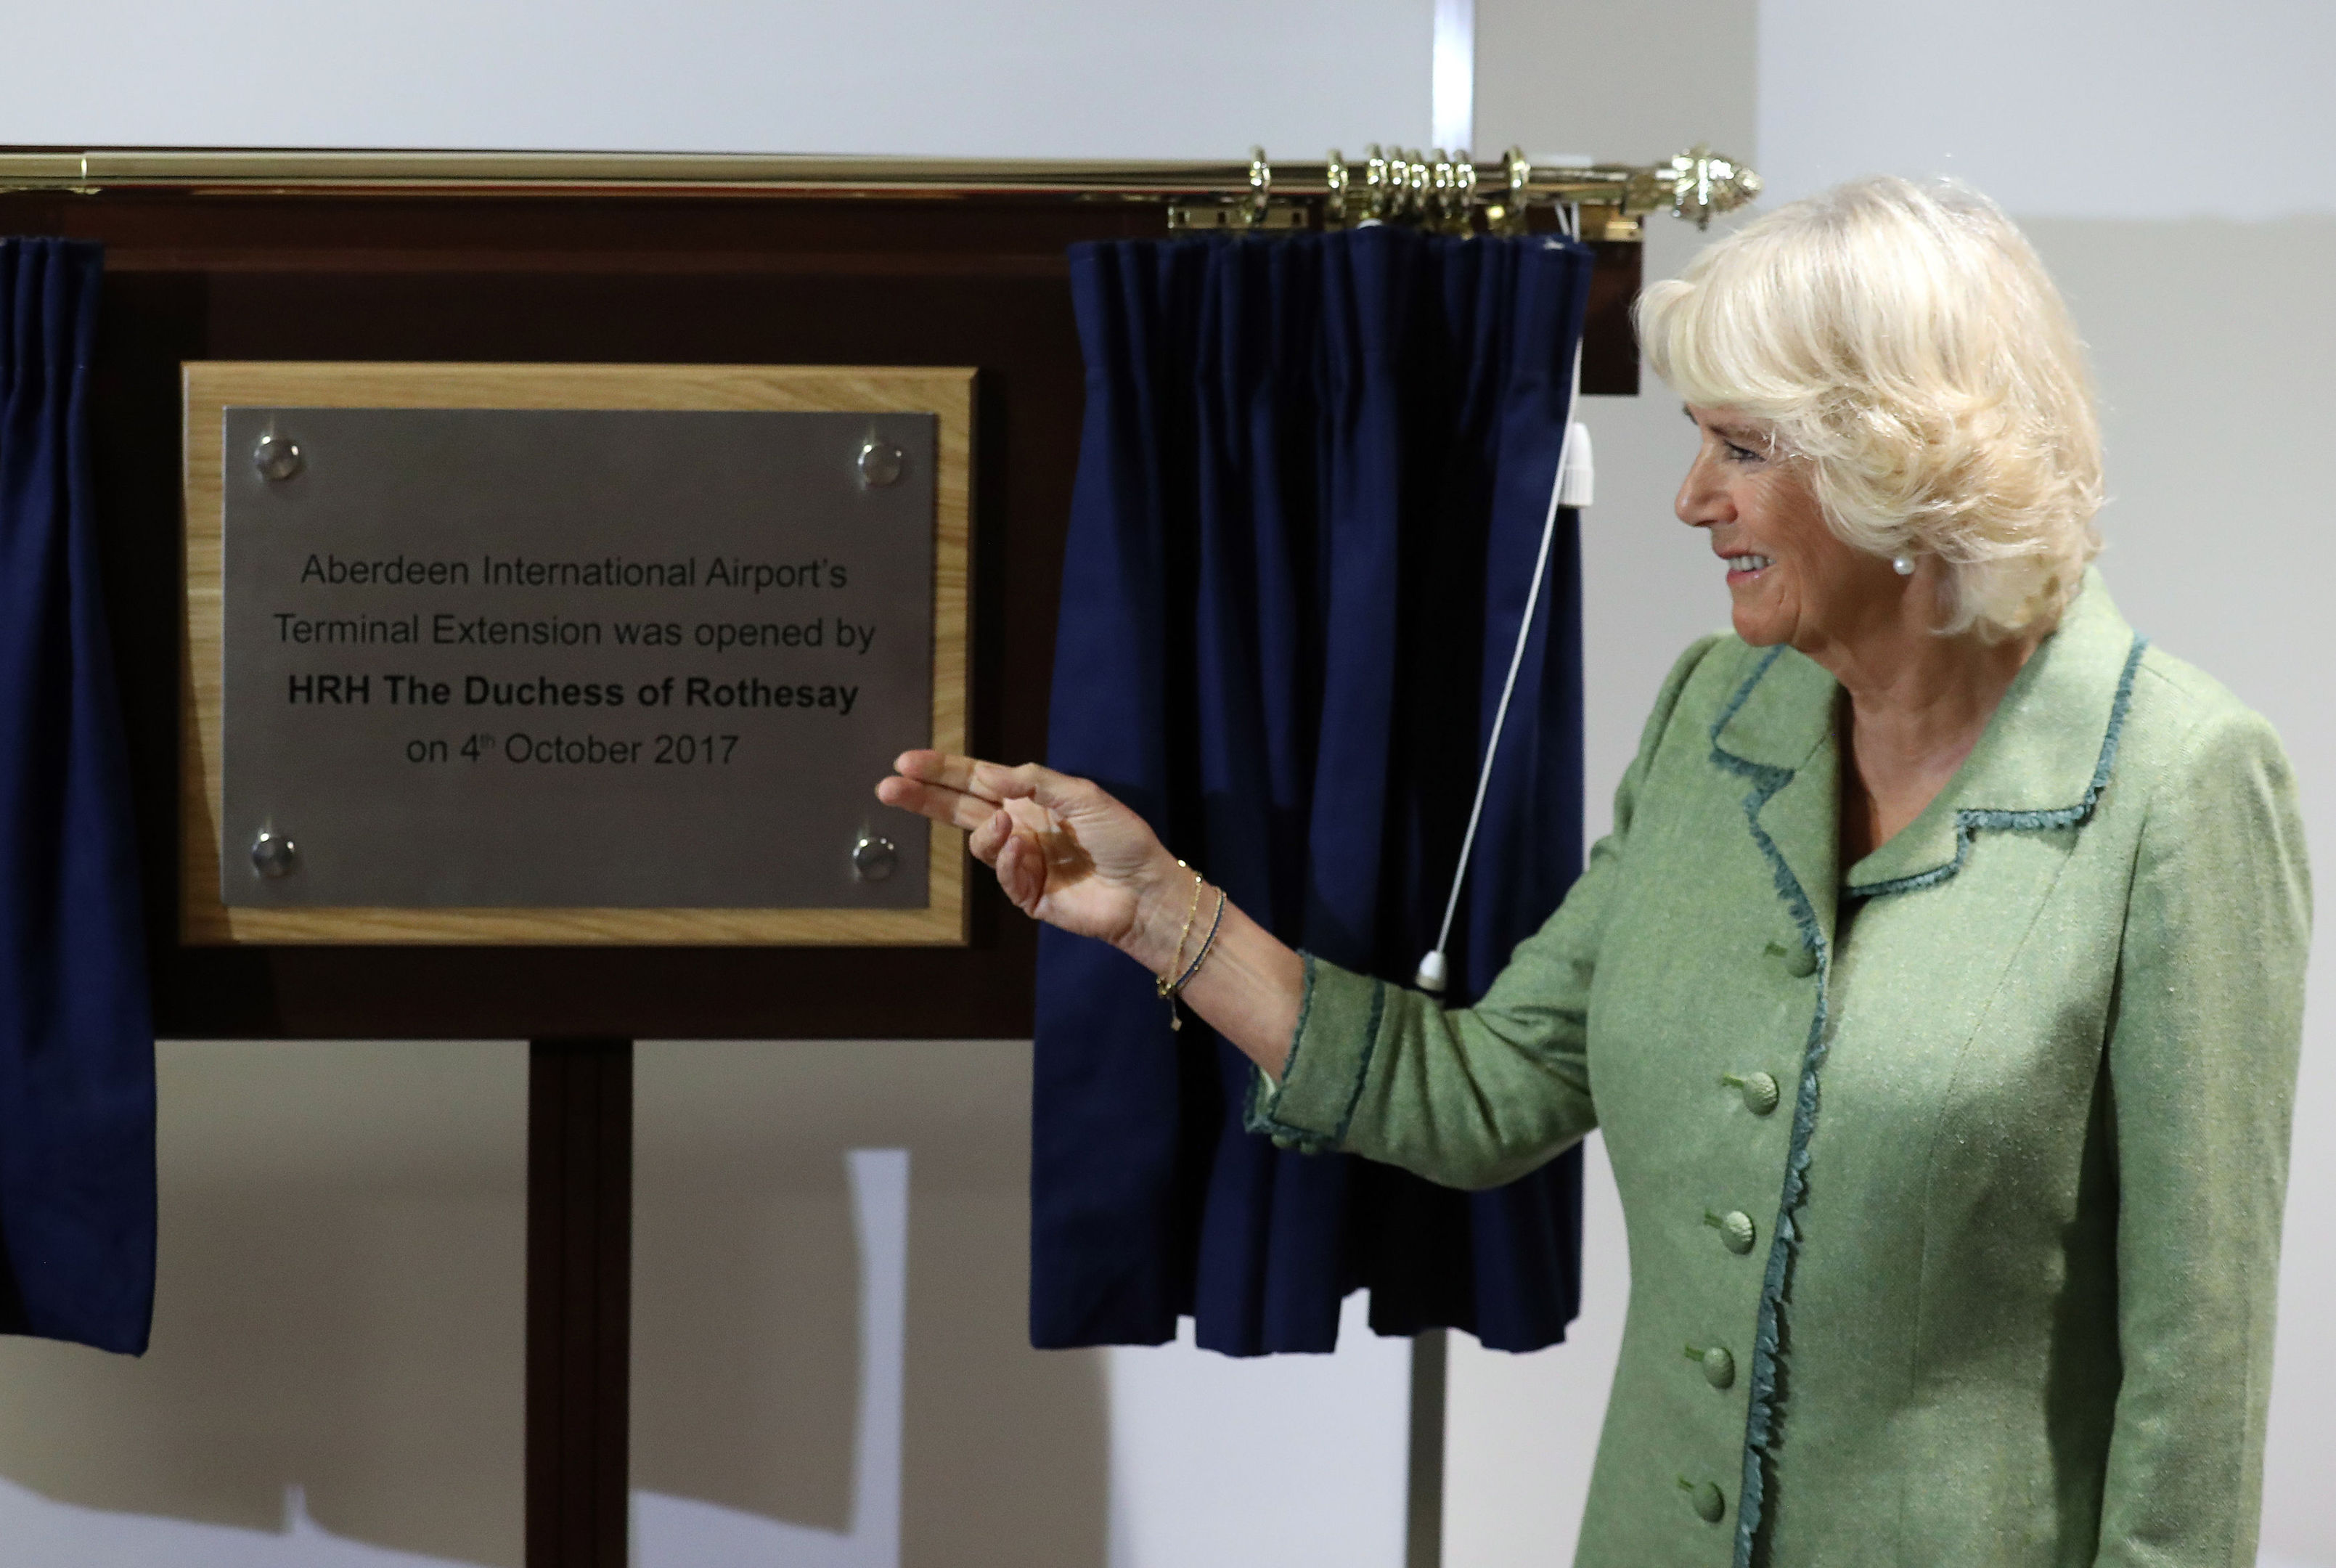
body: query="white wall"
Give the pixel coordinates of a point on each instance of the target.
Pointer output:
(2148, 109)
(1004, 79)
(831, 1258)
(337, 1372)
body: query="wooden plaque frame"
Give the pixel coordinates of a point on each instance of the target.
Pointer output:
(210, 387)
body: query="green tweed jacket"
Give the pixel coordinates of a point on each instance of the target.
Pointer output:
(1953, 1181)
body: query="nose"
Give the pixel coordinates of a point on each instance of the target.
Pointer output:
(1703, 499)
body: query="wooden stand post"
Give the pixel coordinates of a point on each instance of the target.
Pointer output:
(1423, 1546)
(580, 1259)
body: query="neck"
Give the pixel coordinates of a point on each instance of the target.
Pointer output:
(1933, 698)
(1918, 703)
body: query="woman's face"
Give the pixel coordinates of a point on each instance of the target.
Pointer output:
(1790, 579)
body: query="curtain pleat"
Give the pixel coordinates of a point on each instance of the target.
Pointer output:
(76, 1044)
(1312, 489)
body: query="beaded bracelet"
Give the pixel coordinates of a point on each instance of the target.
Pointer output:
(1208, 945)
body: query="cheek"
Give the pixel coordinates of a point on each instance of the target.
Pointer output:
(1799, 528)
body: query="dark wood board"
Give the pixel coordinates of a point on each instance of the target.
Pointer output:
(640, 279)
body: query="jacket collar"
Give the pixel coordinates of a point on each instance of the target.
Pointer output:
(2041, 762)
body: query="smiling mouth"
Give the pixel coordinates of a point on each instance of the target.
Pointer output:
(1746, 566)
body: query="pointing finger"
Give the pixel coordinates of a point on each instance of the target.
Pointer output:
(995, 782)
(951, 808)
(949, 771)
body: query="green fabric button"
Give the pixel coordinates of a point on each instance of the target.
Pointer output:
(1800, 961)
(1758, 1089)
(1737, 1232)
(1709, 1505)
(1718, 1366)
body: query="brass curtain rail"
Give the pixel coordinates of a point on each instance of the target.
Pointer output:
(1391, 184)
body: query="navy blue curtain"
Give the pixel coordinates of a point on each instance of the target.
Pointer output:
(1312, 489)
(76, 1044)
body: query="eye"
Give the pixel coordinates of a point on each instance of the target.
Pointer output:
(1740, 453)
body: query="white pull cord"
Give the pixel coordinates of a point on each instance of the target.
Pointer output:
(1570, 487)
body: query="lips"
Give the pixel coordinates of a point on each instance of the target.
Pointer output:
(1748, 564)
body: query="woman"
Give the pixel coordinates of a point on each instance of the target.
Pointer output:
(1938, 991)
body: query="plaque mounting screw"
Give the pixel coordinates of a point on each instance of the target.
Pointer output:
(881, 462)
(873, 858)
(277, 458)
(272, 854)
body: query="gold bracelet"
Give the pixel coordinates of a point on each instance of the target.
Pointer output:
(1208, 945)
(1164, 982)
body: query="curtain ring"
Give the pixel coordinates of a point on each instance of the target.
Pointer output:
(1505, 211)
(1441, 180)
(1261, 186)
(1334, 190)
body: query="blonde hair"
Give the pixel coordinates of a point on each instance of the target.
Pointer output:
(1905, 345)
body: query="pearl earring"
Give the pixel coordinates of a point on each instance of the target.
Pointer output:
(1903, 565)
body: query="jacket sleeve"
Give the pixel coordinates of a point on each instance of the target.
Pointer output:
(2202, 1063)
(1474, 1096)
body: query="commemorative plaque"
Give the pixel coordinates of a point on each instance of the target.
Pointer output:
(562, 673)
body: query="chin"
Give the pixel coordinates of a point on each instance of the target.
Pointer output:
(1760, 613)
(1755, 629)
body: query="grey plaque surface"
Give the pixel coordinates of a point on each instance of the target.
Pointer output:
(499, 659)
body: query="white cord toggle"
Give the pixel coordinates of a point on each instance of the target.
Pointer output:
(1430, 978)
(1573, 478)
(1576, 475)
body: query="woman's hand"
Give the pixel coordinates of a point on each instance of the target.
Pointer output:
(1064, 850)
(1068, 853)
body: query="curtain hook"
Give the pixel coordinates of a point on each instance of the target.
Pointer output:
(1507, 214)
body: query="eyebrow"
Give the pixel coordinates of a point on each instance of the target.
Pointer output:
(1741, 434)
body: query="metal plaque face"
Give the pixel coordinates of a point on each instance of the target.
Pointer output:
(498, 658)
